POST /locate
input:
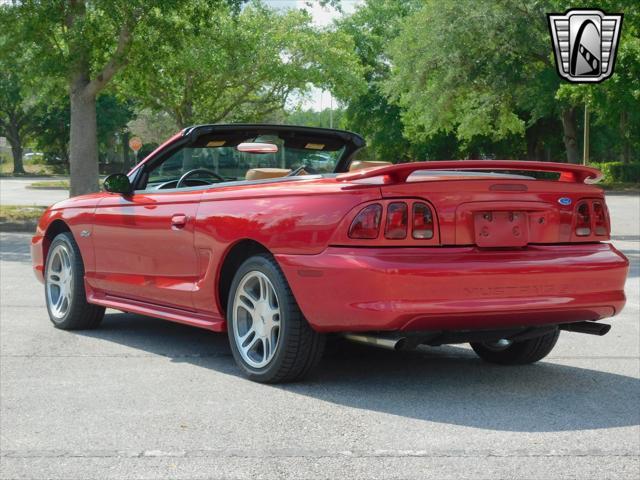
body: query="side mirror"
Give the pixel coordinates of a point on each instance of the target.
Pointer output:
(118, 183)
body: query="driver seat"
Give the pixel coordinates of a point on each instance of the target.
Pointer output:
(266, 173)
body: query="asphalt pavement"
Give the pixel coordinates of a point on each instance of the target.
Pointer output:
(14, 191)
(143, 398)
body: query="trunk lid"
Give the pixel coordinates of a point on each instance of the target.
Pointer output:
(494, 210)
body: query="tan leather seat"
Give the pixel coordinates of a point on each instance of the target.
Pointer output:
(362, 164)
(266, 173)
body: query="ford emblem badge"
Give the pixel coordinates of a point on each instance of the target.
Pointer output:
(564, 201)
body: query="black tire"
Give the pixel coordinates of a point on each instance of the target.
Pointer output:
(79, 314)
(299, 348)
(518, 353)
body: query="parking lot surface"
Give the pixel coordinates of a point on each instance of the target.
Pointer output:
(143, 398)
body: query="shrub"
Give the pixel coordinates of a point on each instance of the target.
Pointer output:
(617, 172)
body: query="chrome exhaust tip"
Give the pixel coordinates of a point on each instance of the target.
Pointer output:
(382, 341)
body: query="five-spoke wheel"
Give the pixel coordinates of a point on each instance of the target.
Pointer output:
(64, 286)
(256, 328)
(270, 339)
(59, 282)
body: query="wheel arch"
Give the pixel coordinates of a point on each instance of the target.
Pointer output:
(233, 258)
(54, 229)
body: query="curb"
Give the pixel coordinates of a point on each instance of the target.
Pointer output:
(29, 187)
(18, 227)
(628, 193)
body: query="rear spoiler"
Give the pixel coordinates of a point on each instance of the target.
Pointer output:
(400, 172)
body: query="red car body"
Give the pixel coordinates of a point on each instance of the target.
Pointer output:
(170, 255)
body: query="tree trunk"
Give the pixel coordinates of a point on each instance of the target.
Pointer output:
(15, 139)
(533, 142)
(84, 140)
(16, 151)
(570, 134)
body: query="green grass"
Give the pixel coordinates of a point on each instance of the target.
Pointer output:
(6, 169)
(20, 213)
(54, 184)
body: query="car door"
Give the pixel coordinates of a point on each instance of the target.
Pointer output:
(144, 241)
(144, 247)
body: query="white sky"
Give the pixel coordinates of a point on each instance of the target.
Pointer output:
(322, 16)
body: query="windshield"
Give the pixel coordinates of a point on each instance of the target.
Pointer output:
(232, 165)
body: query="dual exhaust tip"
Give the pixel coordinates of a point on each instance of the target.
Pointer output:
(398, 341)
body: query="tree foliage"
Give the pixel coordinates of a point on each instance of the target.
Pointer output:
(85, 44)
(369, 112)
(240, 67)
(481, 68)
(16, 98)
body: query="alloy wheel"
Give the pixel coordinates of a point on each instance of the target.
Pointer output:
(59, 281)
(256, 325)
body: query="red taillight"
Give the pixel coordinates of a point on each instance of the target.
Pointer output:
(367, 223)
(422, 221)
(600, 219)
(583, 220)
(397, 219)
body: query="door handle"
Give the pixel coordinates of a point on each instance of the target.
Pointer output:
(179, 221)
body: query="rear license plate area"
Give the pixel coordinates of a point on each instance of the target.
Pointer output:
(501, 229)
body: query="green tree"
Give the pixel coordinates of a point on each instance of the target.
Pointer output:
(615, 103)
(372, 27)
(16, 103)
(52, 125)
(240, 66)
(326, 118)
(484, 68)
(86, 44)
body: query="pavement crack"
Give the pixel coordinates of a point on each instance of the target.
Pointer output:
(302, 453)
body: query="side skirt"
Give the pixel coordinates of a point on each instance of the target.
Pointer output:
(194, 319)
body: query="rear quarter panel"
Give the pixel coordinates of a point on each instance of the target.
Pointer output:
(295, 218)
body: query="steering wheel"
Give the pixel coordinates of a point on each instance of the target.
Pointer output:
(302, 168)
(197, 170)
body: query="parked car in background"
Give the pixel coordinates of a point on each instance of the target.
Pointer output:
(279, 236)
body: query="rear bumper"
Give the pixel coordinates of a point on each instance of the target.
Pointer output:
(421, 289)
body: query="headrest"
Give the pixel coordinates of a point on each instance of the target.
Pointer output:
(265, 173)
(362, 164)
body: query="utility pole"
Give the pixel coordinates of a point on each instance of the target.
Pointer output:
(330, 110)
(585, 151)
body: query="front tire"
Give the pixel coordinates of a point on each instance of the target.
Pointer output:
(270, 339)
(64, 287)
(504, 352)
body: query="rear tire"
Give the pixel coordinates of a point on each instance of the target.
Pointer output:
(518, 353)
(64, 287)
(270, 339)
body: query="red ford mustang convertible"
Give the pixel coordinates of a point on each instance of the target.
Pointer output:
(278, 236)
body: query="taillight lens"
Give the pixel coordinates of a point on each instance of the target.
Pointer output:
(397, 220)
(367, 223)
(583, 220)
(600, 219)
(422, 221)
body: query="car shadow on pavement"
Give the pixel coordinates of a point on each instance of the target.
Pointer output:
(446, 384)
